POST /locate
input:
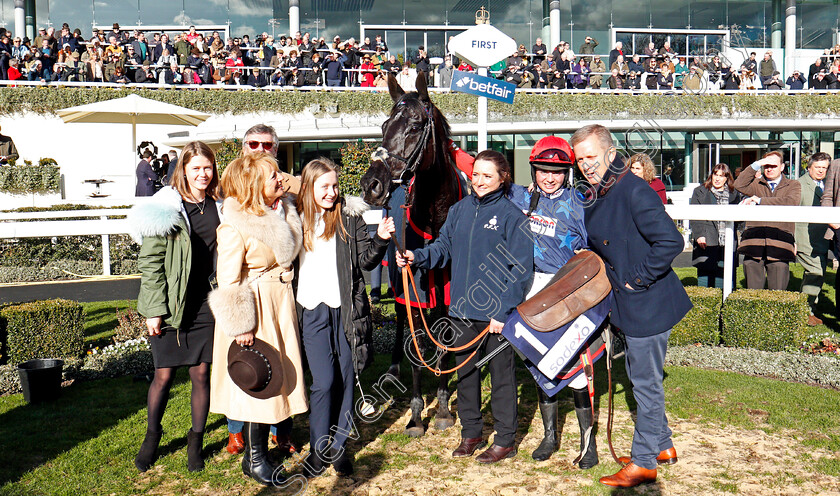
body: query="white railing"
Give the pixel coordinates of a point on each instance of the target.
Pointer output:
(15, 225)
(762, 213)
(31, 225)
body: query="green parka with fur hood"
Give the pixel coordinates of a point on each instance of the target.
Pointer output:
(161, 226)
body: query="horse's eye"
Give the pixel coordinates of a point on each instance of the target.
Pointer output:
(415, 127)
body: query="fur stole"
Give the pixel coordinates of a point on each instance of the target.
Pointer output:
(281, 230)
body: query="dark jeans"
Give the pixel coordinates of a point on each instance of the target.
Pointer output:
(331, 363)
(502, 380)
(644, 360)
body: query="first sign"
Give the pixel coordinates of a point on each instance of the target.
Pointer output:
(483, 45)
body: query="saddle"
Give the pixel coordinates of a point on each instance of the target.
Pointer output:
(578, 286)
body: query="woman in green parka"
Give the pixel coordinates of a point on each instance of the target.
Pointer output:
(177, 229)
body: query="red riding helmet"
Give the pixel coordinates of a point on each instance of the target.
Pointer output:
(552, 154)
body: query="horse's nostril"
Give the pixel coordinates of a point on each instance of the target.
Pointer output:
(375, 187)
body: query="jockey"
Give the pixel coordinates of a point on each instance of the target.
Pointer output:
(556, 219)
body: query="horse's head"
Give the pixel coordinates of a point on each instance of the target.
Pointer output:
(407, 142)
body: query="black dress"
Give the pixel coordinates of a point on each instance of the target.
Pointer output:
(193, 343)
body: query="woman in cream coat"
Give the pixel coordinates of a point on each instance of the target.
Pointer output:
(256, 247)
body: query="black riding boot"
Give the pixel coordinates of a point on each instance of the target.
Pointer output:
(343, 464)
(551, 441)
(583, 409)
(195, 441)
(255, 463)
(146, 456)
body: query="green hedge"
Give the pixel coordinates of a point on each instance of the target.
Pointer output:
(554, 106)
(765, 320)
(702, 323)
(355, 160)
(42, 329)
(20, 179)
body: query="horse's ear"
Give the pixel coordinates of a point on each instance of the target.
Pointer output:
(421, 85)
(394, 88)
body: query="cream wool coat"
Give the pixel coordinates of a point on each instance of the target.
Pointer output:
(249, 298)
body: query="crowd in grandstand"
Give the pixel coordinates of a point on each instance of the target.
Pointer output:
(193, 57)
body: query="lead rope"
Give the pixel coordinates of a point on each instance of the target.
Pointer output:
(408, 276)
(607, 334)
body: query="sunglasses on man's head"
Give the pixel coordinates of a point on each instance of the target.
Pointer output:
(266, 145)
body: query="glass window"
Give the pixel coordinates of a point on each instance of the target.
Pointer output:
(697, 45)
(816, 25)
(630, 13)
(678, 44)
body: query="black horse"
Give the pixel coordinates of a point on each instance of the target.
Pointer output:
(413, 168)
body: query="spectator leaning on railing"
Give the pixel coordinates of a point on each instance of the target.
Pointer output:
(768, 247)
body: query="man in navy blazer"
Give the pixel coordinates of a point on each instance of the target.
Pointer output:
(628, 227)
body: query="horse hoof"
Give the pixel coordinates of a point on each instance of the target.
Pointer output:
(444, 423)
(394, 370)
(415, 431)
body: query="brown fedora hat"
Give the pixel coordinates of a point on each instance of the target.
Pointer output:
(256, 369)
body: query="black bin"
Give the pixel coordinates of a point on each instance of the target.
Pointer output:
(40, 379)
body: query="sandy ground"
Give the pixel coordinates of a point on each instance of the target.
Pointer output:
(712, 460)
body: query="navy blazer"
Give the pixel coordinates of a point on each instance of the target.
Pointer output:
(629, 228)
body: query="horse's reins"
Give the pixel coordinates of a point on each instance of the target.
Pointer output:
(409, 282)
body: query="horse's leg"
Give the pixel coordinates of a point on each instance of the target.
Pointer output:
(443, 417)
(397, 351)
(415, 427)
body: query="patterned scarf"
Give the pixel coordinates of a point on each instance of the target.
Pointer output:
(722, 197)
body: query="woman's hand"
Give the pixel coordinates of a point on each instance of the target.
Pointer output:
(153, 325)
(495, 326)
(701, 242)
(408, 259)
(246, 339)
(386, 228)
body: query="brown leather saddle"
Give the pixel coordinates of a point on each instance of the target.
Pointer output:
(578, 286)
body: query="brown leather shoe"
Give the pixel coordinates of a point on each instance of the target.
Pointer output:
(468, 446)
(813, 320)
(665, 457)
(235, 443)
(631, 475)
(495, 453)
(284, 443)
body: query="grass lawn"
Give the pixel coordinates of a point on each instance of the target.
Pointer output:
(101, 319)
(85, 442)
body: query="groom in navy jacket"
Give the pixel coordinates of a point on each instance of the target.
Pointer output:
(629, 228)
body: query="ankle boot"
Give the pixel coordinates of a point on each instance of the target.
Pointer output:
(343, 463)
(255, 463)
(146, 456)
(583, 409)
(550, 441)
(314, 465)
(195, 442)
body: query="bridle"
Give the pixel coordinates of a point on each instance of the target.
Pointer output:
(418, 153)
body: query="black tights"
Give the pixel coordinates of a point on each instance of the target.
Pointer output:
(199, 397)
